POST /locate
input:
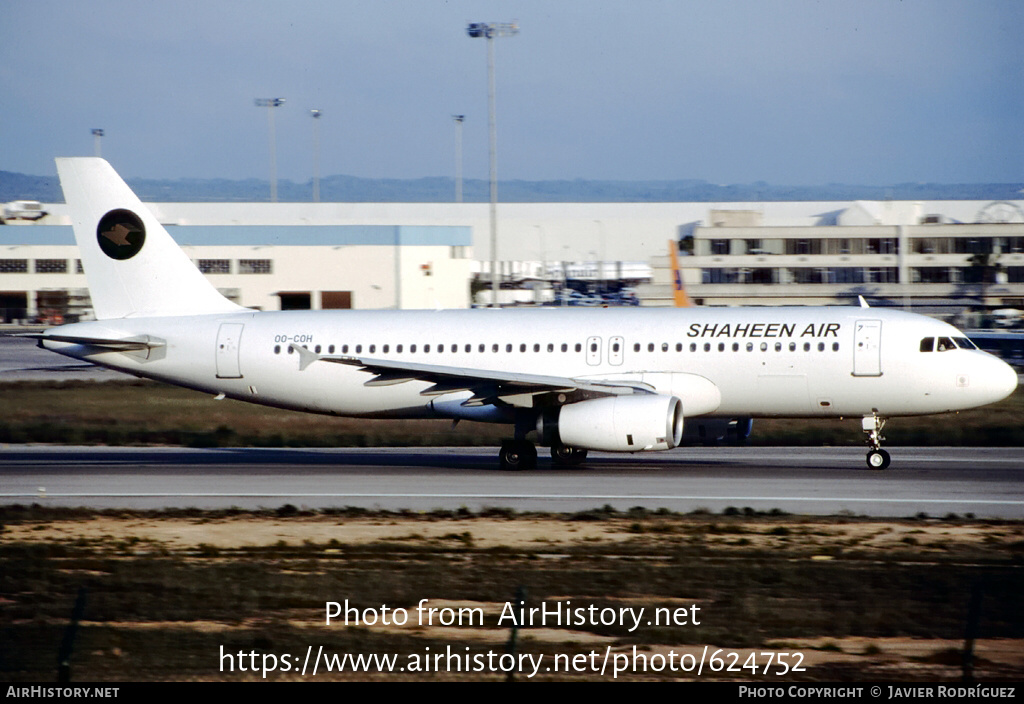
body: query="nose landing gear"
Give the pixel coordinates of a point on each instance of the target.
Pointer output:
(877, 457)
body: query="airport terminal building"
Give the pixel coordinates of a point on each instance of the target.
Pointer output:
(941, 257)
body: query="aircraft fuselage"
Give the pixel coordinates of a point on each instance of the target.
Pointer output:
(764, 362)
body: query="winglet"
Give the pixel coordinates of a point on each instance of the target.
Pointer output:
(863, 303)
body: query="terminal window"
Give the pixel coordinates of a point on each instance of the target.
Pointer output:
(255, 266)
(51, 266)
(13, 266)
(215, 266)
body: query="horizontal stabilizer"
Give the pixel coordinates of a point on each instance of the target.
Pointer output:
(140, 342)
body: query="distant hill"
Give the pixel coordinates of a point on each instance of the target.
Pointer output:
(15, 186)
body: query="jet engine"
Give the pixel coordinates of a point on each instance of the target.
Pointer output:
(616, 424)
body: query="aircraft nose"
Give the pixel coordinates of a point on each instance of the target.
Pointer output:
(1000, 379)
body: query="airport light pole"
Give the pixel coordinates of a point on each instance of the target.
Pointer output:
(490, 30)
(459, 119)
(97, 134)
(316, 153)
(270, 104)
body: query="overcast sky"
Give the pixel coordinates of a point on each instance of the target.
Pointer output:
(870, 92)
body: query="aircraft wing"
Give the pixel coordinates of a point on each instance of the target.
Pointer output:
(487, 385)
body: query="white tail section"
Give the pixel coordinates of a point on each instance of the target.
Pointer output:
(133, 266)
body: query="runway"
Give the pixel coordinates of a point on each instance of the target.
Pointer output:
(984, 482)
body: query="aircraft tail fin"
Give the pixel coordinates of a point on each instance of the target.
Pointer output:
(678, 291)
(133, 266)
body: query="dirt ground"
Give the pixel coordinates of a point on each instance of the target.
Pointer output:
(522, 532)
(311, 547)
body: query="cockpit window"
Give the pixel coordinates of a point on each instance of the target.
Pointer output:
(944, 344)
(927, 344)
(964, 343)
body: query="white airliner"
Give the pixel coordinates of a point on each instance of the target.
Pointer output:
(619, 380)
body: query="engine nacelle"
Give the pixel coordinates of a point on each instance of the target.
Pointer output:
(616, 424)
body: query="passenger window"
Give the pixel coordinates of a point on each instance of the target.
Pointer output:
(807, 347)
(636, 346)
(412, 348)
(277, 349)
(522, 347)
(565, 347)
(778, 346)
(927, 344)
(536, 347)
(664, 347)
(721, 347)
(764, 346)
(578, 347)
(359, 348)
(835, 346)
(735, 347)
(750, 347)
(792, 347)
(344, 349)
(317, 349)
(373, 348)
(508, 347)
(494, 347)
(693, 346)
(593, 347)
(398, 349)
(426, 349)
(679, 347)
(821, 346)
(707, 346)
(615, 347)
(650, 346)
(330, 350)
(481, 348)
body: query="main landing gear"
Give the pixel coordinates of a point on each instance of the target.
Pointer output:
(877, 457)
(518, 454)
(522, 454)
(565, 456)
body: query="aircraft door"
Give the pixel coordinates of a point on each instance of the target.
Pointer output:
(867, 348)
(229, 338)
(616, 346)
(593, 351)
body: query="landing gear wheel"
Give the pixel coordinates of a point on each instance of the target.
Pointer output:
(878, 459)
(518, 454)
(565, 456)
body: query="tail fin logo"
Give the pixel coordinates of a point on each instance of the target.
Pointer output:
(121, 234)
